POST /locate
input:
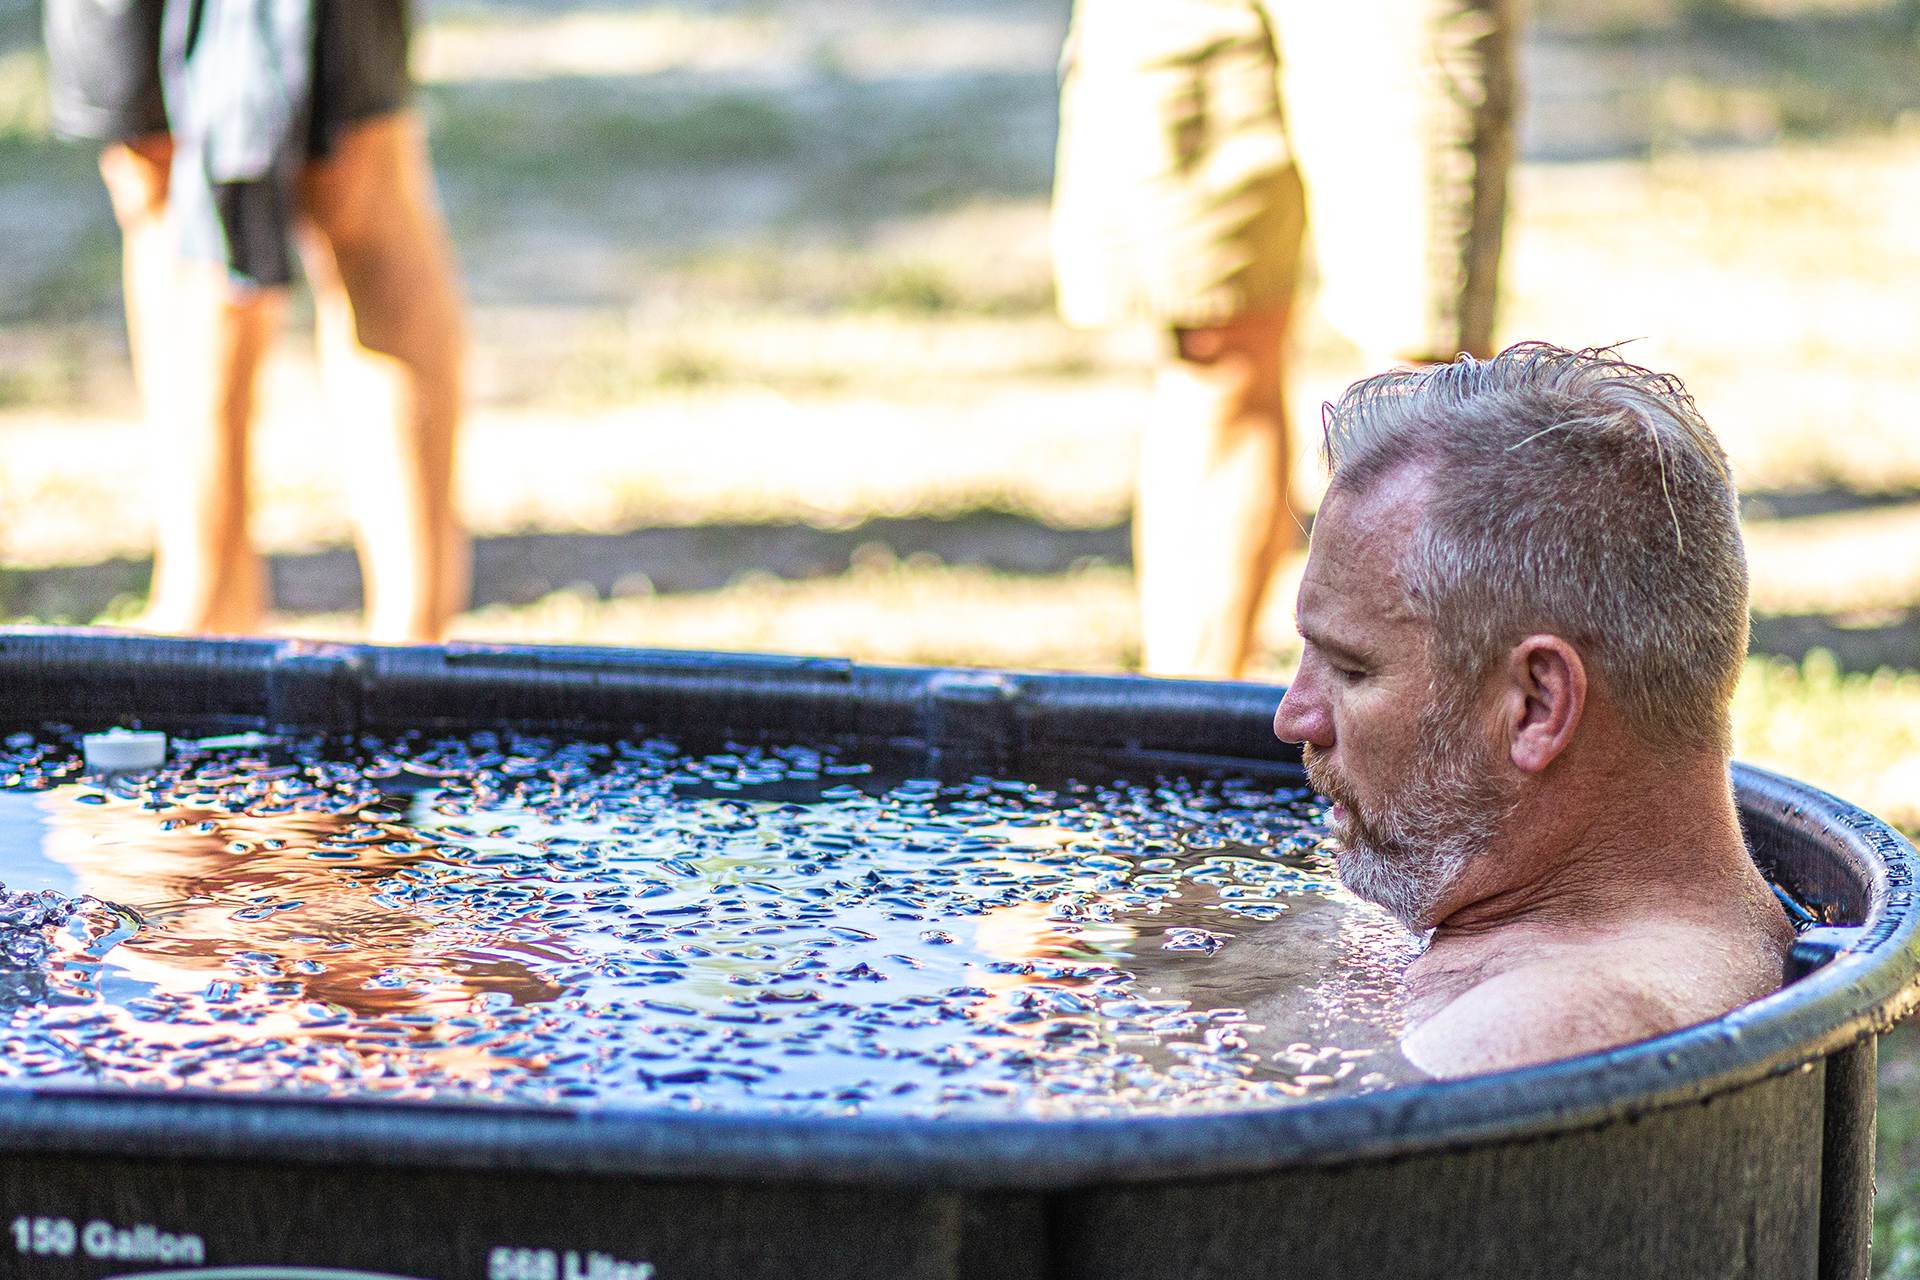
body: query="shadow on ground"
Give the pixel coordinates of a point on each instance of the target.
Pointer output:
(519, 569)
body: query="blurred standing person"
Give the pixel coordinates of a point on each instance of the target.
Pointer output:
(1203, 144)
(234, 128)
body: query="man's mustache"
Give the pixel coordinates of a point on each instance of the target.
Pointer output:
(1323, 778)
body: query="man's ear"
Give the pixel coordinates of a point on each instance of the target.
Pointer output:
(1547, 695)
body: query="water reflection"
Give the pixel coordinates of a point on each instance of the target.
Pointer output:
(585, 925)
(278, 922)
(295, 898)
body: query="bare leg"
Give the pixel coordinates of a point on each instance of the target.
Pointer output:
(390, 347)
(197, 345)
(1213, 515)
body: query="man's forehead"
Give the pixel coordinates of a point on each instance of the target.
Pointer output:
(1353, 566)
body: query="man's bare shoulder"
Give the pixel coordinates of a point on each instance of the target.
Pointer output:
(1579, 999)
(1552, 1008)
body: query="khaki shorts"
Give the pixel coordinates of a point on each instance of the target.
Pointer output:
(1200, 140)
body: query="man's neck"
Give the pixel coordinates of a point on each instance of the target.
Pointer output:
(1574, 858)
(1597, 922)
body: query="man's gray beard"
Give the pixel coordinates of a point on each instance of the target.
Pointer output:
(1409, 853)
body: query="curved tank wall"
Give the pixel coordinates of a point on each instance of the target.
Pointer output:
(1741, 1147)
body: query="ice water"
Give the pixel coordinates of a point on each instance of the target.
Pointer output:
(632, 925)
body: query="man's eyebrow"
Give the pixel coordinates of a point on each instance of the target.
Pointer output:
(1321, 641)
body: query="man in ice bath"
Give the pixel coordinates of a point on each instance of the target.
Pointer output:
(1525, 610)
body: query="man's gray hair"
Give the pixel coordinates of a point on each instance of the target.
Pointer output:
(1571, 493)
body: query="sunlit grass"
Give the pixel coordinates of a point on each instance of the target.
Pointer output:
(918, 611)
(1855, 735)
(1896, 1206)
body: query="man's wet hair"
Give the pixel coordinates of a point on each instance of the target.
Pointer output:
(1575, 493)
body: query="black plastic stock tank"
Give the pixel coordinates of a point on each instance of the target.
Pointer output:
(1741, 1147)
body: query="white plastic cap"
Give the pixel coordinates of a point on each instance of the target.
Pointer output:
(119, 749)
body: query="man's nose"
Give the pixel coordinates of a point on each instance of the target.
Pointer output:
(1303, 717)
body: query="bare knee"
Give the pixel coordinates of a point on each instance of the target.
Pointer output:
(363, 192)
(372, 236)
(136, 173)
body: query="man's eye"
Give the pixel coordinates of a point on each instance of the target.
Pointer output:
(1352, 675)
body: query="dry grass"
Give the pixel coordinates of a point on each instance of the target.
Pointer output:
(74, 491)
(757, 46)
(1778, 282)
(1862, 563)
(882, 611)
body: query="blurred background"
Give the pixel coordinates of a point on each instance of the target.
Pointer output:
(765, 354)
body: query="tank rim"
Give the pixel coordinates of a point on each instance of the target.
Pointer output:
(1859, 993)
